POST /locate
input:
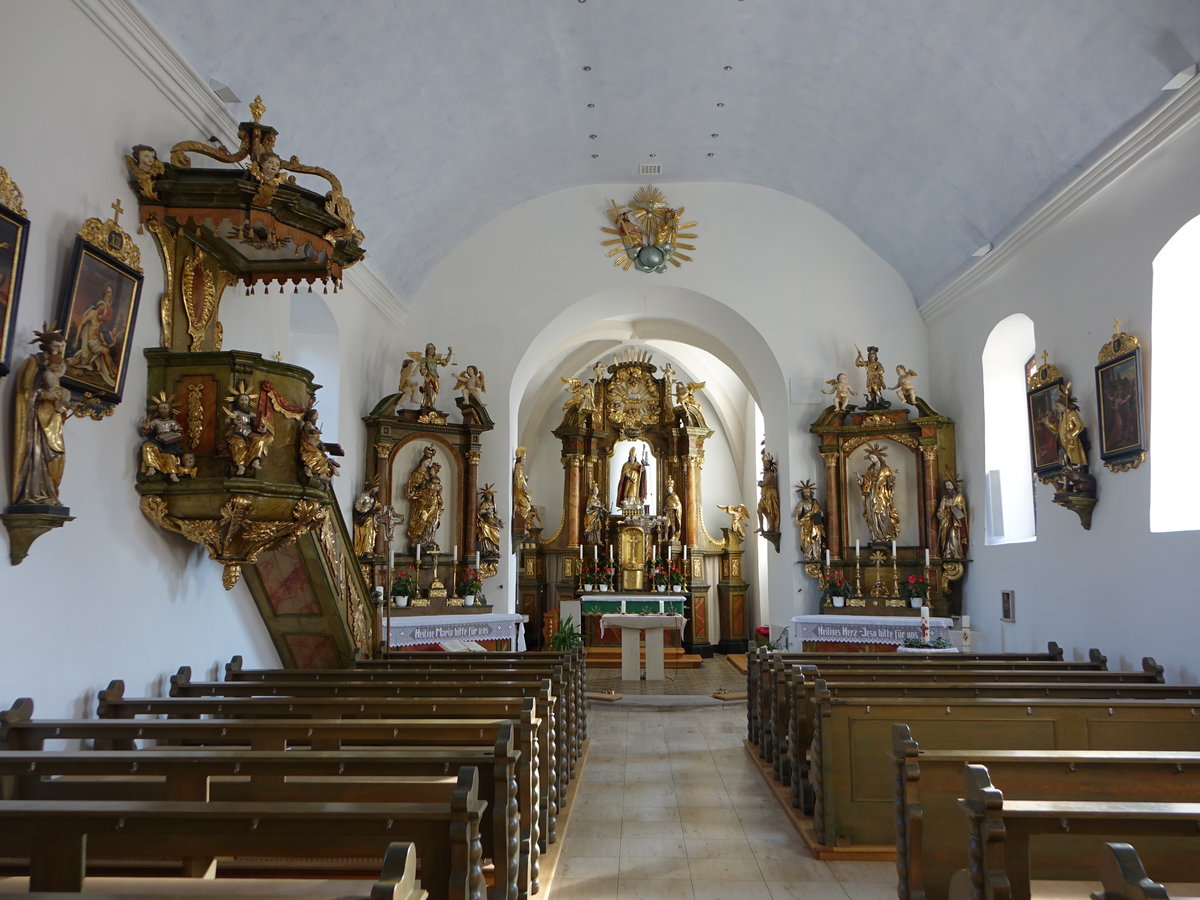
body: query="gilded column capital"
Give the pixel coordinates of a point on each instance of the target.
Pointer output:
(473, 457)
(382, 450)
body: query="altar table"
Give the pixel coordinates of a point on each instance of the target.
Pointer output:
(407, 631)
(632, 603)
(890, 630)
(631, 628)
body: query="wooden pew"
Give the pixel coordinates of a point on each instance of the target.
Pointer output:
(1069, 833)
(1123, 877)
(20, 731)
(394, 683)
(57, 835)
(112, 704)
(799, 721)
(854, 794)
(928, 820)
(397, 881)
(272, 775)
(771, 693)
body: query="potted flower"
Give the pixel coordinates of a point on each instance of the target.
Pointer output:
(604, 574)
(404, 586)
(916, 589)
(587, 577)
(837, 589)
(659, 575)
(469, 585)
(675, 576)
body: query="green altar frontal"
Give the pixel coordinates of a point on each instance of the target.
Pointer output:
(632, 606)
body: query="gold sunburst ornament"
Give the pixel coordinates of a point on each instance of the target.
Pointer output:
(647, 232)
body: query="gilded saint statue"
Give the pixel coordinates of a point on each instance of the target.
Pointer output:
(875, 382)
(314, 453)
(524, 512)
(878, 486)
(593, 517)
(162, 449)
(631, 489)
(423, 489)
(366, 515)
(487, 521)
(41, 406)
(1070, 428)
(768, 498)
(429, 365)
(246, 433)
(810, 520)
(672, 512)
(952, 520)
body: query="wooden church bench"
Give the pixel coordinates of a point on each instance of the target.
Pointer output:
(566, 679)
(1123, 877)
(19, 731)
(800, 725)
(853, 782)
(928, 821)
(397, 685)
(1068, 835)
(271, 775)
(58, 835)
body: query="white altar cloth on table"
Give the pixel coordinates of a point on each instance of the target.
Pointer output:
(631, 628)
(866, 629)
(405, 631)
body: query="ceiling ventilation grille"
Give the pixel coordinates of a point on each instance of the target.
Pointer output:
(650, 169)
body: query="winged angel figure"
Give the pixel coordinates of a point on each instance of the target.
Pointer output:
(582, 401)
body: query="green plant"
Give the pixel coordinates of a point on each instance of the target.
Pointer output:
(933, 644)
(405, 584)
(565, 637)
(837, 586)
(470, 582)
(916, 586)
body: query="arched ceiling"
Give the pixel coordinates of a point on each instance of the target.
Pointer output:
(928, 127)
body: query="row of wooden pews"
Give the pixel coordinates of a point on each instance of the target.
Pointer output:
(464, 755)
(885, 750)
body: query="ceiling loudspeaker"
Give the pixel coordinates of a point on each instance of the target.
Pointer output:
(650, 169)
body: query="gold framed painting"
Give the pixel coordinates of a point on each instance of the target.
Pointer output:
(1122, 414)
(1043, 428)
(97, 315)
(14, 235)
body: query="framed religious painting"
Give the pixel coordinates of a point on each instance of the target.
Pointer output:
(1119, 401)
(14, 234)
(97, 315)
(1043, 427)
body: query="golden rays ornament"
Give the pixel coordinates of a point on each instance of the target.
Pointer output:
(648, 232)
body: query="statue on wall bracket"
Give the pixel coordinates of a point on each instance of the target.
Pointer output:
(1059, 442)
(648, 232)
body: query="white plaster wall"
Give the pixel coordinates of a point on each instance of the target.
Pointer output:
(110, 595)
(778, 289)
(1117, 587)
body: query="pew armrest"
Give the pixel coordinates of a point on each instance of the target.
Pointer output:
(1124, 878)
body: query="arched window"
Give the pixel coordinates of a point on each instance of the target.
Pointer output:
(1009, 497)
(1175, 316)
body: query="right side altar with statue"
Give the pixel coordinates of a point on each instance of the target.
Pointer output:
(890, 540)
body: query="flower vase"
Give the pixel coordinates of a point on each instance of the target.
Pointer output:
(838, 602)
(677, 588)
(916, 602)
(603, 588)
(469, 600)
(400, 600)
(662, 588)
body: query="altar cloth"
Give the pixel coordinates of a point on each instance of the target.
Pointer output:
(866, 629)
(406, 631)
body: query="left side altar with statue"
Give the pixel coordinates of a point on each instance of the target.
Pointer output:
(426, 533)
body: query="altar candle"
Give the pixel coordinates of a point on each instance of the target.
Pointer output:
(610, 553)
(827, 558)
(856, 548)
(581, 551)
(927, 557)
(595, 553)
(456, 552)
(966, 623)
(685, 552)
(925, 623)
(668, 552)
(893, 548)
(476, 560)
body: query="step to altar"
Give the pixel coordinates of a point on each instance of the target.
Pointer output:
(673, 658)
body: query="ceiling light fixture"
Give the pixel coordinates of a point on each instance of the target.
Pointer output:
(983, 251)
(1182, 77)
(224, 91)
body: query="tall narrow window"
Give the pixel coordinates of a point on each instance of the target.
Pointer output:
(1009, 487)
(1175, 317)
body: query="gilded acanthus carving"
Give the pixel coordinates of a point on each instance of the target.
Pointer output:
(235, 539)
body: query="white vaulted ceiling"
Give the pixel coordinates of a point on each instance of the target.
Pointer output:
(928, 127)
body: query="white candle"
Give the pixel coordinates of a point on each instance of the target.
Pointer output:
(827, 557)
(610, 553)
(581, 551)
(925, 616)
(966, 622)
(856, 548)
(669, 548)
(476, 560)
(418, 552)
(893, 548)
(927, 557)
(685, 552)
(595, 553)
(456, 552)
